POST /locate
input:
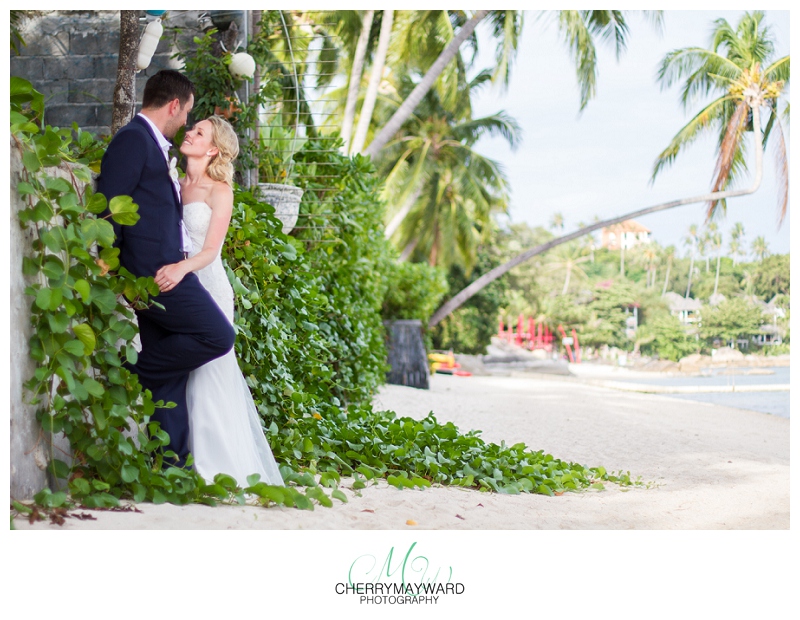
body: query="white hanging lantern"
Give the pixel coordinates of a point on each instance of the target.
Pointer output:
(149, 43)
(242, 65)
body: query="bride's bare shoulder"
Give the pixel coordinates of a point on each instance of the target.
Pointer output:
(220, 195)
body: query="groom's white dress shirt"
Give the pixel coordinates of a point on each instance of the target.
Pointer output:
(164, 145)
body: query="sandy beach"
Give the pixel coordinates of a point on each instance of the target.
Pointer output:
(707, 466)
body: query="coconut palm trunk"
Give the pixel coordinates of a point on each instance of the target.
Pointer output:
(125, 87)
(754, 101)
(666, 278)
(691, 270)
(355, 80)
(412, 101)
(716, 278)
(566, 280)
(376, 74)
(398, 218)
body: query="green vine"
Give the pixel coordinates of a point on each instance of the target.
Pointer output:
(309, 342)
(82, 317)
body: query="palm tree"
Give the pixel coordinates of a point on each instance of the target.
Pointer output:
(755, 96)
(650, 259)
(557, 221)
(734, 68)
(669, 254)
(736, 245)
(691, 239)
(716, 243)
(703, 242)
(356, 70)
(568, 258)
(378, 62)
(760, 248)
(448, 189)
(579, 28)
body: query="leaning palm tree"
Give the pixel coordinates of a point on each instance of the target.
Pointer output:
(754, 94)
(580, 29)
(760, 248)
(738, 62)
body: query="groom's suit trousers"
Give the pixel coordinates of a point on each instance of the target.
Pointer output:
(190, 331)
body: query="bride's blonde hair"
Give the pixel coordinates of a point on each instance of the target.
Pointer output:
(220, 168)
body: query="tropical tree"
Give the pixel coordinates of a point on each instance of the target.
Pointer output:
(650, 258)
(736, 245)
(356, 69)
(557, 221)
(754, 94)
(692, 238)
(669, 254)
(568, 258)
(716, 244)
(738, 65)
(376, 75)
(760, 248)
(447, 189)
(580, 28)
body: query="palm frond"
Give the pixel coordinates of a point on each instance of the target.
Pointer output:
(579, 39)
(727, 154)
(610, 26)
(782, 171)
(499, 124)
(689, 133)
(778, 71)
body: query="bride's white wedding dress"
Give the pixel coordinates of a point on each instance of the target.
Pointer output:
(225, 432)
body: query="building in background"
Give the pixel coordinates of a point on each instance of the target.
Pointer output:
(627, 234)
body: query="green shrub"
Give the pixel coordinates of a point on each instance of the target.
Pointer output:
(413, 291)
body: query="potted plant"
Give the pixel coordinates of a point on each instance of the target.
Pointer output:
(276, 170)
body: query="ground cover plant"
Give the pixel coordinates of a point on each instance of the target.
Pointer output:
(310, 343)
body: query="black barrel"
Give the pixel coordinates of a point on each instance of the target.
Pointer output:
(407, 357)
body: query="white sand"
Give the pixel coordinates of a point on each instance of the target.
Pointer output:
(712, 467)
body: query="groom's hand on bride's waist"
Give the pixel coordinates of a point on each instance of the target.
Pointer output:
(169, 276)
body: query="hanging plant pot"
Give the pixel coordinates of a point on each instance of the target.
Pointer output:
(286, 200)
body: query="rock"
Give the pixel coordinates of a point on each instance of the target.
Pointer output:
(725, 356)
(695, 359)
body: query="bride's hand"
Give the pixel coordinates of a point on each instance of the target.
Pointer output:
(169, 276)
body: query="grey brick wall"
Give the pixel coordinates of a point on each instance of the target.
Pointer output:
(71, 57)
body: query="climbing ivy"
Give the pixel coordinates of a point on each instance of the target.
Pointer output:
(83, 330)
(309, 342)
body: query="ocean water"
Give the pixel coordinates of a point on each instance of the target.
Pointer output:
(775, 403)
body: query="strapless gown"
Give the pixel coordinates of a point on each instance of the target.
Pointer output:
(225, 431)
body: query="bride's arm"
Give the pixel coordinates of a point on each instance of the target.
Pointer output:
(221, 203)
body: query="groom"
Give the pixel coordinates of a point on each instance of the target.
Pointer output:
(191, 330)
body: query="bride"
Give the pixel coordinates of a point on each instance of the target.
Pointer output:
(225, 432)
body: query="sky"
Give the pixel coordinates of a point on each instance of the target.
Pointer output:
(599, 162)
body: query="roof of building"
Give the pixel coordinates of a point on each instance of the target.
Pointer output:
(679, 304)
(627, 226)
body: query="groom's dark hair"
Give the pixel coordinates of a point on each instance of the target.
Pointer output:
(165, 86)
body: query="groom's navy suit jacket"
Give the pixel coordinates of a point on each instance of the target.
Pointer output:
(134, 166)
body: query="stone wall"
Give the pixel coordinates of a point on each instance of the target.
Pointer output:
(71, 57)
(31, 450)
